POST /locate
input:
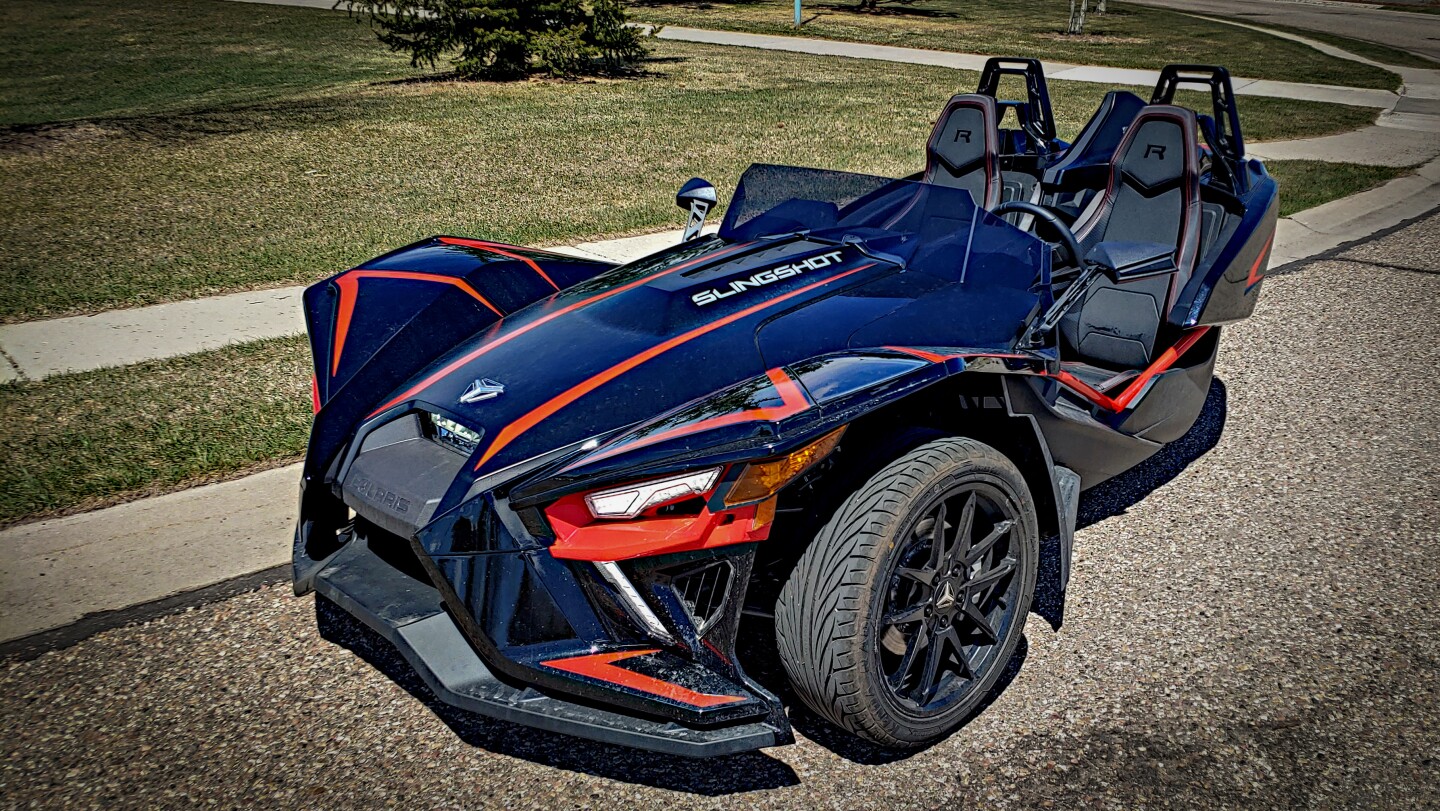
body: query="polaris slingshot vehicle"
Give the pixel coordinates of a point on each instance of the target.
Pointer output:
(557, 485)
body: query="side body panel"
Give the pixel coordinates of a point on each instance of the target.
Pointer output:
(1225, 288)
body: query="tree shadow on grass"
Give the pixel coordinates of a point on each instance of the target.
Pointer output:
(284, 115)
(699, 4)
(898, 10)
(712, 777)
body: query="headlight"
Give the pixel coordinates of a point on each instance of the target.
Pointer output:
(633, 499)
(452, 433)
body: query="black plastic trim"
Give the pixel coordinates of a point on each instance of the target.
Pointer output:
(409, 615)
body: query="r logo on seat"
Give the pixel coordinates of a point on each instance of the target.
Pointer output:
(1157, 149)
(962, 134)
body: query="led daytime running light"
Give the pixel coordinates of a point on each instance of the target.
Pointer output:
(633, 499)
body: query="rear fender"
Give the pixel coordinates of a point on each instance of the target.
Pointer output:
(1226, 289)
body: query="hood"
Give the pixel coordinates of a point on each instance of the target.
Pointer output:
(910, 265)
(632, 343)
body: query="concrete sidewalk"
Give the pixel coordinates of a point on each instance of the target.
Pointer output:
(1056, 71)
(1409, 31)
(38, 349)
(55, 572)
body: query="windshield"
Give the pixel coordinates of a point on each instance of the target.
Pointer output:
(934, 229)
(773, 200)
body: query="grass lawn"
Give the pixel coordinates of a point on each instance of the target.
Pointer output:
(1306, 184)
(1129, 36)
(140, 208)
(85, 440)
(64, 59)
(95, 438)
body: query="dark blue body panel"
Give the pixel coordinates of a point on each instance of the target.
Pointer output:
(825, 300)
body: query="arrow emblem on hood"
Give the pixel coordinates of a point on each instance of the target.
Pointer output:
(482, 389)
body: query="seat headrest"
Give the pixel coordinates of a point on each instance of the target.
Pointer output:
(964, 148)
(1160, 150)
(1097, 141)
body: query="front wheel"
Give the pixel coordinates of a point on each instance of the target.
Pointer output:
(903, 613)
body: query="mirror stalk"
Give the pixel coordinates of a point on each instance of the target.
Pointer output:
(697, 197)
(698, 211)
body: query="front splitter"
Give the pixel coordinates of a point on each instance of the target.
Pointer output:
(408, 613)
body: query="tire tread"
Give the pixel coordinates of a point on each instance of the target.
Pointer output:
(819, 615)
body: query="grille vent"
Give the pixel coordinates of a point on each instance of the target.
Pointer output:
(703, 592)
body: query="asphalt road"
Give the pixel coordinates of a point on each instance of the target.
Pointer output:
(1415, 32)
(1252, 622)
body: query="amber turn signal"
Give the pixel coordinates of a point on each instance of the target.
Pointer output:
(764, 479)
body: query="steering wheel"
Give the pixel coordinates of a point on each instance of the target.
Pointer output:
(1067, 237)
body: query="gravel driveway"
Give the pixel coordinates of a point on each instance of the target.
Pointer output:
(1252, 622)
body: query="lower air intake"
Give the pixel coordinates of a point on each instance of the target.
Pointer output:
(703, 591)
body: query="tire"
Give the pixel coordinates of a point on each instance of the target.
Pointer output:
(849, 619)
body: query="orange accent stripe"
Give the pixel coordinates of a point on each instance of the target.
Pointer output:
(315, 393)
(1165, 361)
(500, 249)
(348, 283)
(1088, 391)
(602, 666)
(1255, 276)
(478, 351)
(921, 354)
(1132, 392)
(509, 433)
(793, 401)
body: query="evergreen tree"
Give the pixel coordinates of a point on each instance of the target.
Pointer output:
(507, 39)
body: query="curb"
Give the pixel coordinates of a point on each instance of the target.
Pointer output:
(29, 647)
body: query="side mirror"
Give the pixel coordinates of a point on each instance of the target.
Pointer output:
(697, 196)
(1130, 261)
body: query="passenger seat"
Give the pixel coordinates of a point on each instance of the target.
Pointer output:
(964, 149)
(1153, 196)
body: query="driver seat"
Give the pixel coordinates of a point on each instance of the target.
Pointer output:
(964, 149)
(1153, 196)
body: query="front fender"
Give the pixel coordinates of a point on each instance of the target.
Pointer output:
(794, 405)
(376, 325)
(769, 415)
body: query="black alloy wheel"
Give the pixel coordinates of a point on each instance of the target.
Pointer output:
(906, 608)
(951, 597)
